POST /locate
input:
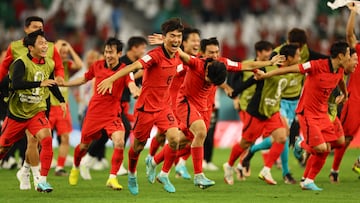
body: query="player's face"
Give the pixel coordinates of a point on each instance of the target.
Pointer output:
(40, 47)
(192, 44)
(350, 68)
(172, 41)
(34, 25)
(139, 50)
(295, 59)
(91, 57)
(111, 55)
(212, 51)
(64, 51)
(264, 55)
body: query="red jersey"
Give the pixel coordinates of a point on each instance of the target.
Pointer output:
(177, 82)
(17, 49)
(103, 107)
(159, 71)
(319, 83)
(354, 78)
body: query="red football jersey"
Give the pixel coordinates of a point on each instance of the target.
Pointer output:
(232, 66)
(103, 107)
(353, 87)
(159, 71)
(319, 83)
(177, 82)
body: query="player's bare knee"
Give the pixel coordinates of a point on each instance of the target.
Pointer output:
(119, 144)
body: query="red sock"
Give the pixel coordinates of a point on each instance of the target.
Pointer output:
(197, 157)
(317, 164)
(46, 155)
(133, 159)
(265, 156)
(338, 155)
(116, 160)
(307, 148)
(308, 166)
(154, 146)
(236, 151)
(183, 153)
(187, 155)
(159, 157)
(61, 161)
(78, 155)
(169, 157)
(274, 153)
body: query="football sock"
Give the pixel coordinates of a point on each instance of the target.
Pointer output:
(338, 155)
(274, 153)
(235, 154)
(78, 155)
(308, 165)
(265, 144)
(61, 161)
(285, 158)
(317, 164)
(46, 155)
(169, 157)
(133, 159)
(116, 160)
(197, 157)
(159, 157)
(154, 146)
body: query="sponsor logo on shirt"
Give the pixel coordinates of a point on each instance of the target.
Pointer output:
(146, 58)
(231, 63)
(306, 65)
(131, 75)
(179, 68)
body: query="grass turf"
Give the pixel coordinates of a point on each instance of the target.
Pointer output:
(251, 190)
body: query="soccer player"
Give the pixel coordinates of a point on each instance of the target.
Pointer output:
(262, 117)
(62, 124)
(350, 113)
(152, 107)
(323, 76)
(15, 50)
(263, 51)
(102, 114)
(30, 82)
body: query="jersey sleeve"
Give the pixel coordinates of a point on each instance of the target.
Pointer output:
(59, 68)
(231, 65)
(357, 48)
(4, 67)
(306, 67)
(149, 60)
(90, 74)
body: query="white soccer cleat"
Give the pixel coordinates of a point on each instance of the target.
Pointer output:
(24, 179)
(228, 174)
(266, 176)
(211, 167)
(122, 170)
(85, 172)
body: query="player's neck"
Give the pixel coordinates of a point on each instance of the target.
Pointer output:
(335, 64)
(171, 55)
(131, 56)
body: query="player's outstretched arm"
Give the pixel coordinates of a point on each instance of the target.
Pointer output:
(106, 84)
(350, 35)
(279, 71)
(184, 56)
(251, 65)
(76, 82)
(343, 89)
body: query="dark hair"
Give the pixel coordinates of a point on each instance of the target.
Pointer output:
(352, 51)
(30, 19)
(206, 42)
(297, 35)
(171, 25)
(263, 45)
(113, 41)
(217, 72)
(135, 41)
(338, 48)
(289, 50)
(188, 30)
(30, 39)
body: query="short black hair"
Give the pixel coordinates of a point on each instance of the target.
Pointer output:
(30, 39)
(171, 25)
(136, 41)
(263, 45)
(352, 51)
(289, 50)
(337, 48)
(297, 35)
(188, 30)
(114, 41)
(30, 19)
(206, 42)
(217, 72)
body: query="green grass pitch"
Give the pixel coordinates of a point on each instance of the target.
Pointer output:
(252, 190)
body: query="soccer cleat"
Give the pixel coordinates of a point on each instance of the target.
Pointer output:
(61, 172)
(85, 172)
(228, 174)
(302, 183)
(239, 173)
(211, 167)
(203, 182)
(311, 186)
(356, 167)
(24, 179)
(132, 184)
(114, 184)
(164, 179)
(246, 163)
(288, 179)
(181, 171)
(44, 187)
(74, 176)
(334, 177)
(266, 176)
(122, 171)
(150, 169)
(298, 150)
